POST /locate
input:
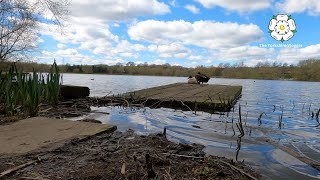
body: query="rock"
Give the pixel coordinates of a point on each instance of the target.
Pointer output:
(74, 92)
(195, 126)
(90, 120)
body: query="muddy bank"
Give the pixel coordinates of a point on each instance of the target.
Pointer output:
(125, 156)
(64, 109)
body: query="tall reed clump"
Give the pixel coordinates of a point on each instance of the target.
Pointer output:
(10, 96)
(33, 93)
(52, 85)
(23, 93)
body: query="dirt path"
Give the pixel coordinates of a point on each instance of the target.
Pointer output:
(125, 156)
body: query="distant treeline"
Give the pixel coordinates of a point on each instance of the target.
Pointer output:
(306, 70)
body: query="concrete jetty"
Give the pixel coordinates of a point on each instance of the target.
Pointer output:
(195, 97)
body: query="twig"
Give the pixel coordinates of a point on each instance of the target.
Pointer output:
(144, 103)
(149, 167)
(240, 170)
(108, 94)
(43, 111)
(169, 177)
(9, 171)
(123, 169)
(157, 103)
(32, 178)
(186, 105)
(179, 155)
(126, 102)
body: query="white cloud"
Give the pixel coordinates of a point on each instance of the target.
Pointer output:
(157, 62)
(126, 46)
(250, 55)
(173, 3)
(92, 35)
(170, 50)
(80, 30)
(71, 54)
(115, 10)
(193, 57)
(192, 9)
(237, 5)
(243, 53)
(61, 46)
(67, 52)
(91, 23)
(129, 55)
(293, 55)
(292, 6)
(206, 34)
(116, 25)
(88, 26)
(175, 64)
(74, 57)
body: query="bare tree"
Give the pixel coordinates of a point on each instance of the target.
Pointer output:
(19, 21)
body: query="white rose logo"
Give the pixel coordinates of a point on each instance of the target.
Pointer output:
(282, 27)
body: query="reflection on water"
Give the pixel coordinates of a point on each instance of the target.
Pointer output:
(289, 111)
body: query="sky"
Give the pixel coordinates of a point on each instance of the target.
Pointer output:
(187, 33)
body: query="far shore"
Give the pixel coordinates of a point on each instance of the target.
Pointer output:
(305, 70)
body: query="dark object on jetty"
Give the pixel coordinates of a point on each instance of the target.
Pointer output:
(91, 121)
(201, 78)
(74, 92)
(192, 97)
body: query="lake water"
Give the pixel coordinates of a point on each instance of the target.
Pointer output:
(293, 103)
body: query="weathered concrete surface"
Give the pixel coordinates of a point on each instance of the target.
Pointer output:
(207, 97)
(30, 134)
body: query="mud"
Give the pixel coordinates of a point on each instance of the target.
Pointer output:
(124, 156)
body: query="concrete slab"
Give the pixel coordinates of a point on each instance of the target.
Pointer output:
(206, 97)
(33, 133)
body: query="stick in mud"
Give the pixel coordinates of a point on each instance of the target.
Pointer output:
(150, 171)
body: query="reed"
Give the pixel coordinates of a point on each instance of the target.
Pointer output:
(33, 93)
(309, 109)
(52, 84)
(317, 115)
(260, 118)
(239, 124)
(23, 93)
(238, 147)
(10, 93)
(280, 117)
(234, 133)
